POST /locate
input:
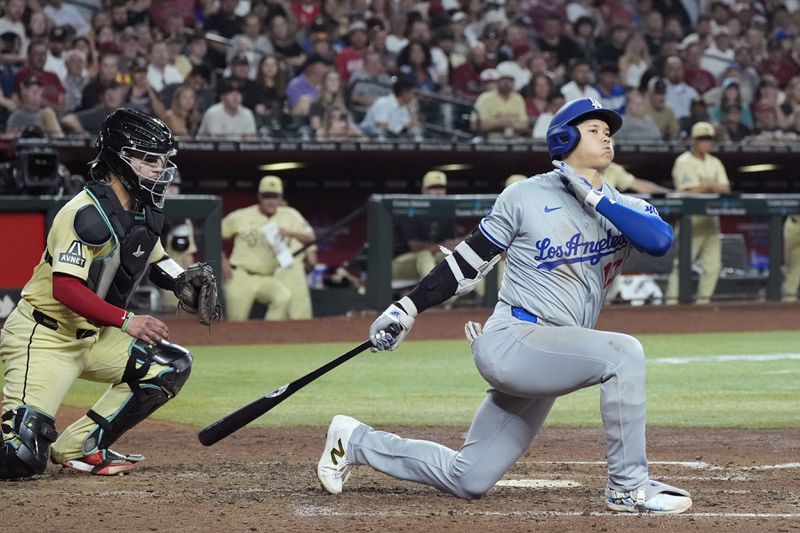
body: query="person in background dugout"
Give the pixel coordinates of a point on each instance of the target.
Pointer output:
(262, 267)
(418, 238)
(697, 171)
(791, 243)
(622, 180)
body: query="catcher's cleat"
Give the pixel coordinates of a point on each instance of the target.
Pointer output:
(104, 463)
(653, 497)
(333, 468)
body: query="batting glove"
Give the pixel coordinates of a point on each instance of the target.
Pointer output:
(401, 313)
(578, 185)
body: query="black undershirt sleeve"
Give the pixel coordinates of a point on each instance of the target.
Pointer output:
(440, 284)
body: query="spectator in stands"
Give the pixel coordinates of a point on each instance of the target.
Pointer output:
(197, 51)
(554, 103)
(466, 81)
(638, 127)
(106, 73)
(377, 43)
(731, 96)
(305, 12)
(12, 22)
(679, 93)
(697, 171)
(634, 61)
(698, 112)
(141, 94)
(337, 124)
(731, 126)
(765, 122)
(228, 118)
(224, 23)
(128, 49)
(66, 15)
(580, 73)
(658, 109)
(57, 43)
(778, 64)
(251, 42)
(552, 39)
(303, 90)
(199, 79)
(261, 267)
(286, 47)
(414, 64)
(159, 72)
(791, 103)
(519, 65)
(75, 80)
(791, 255)
(239, 70)
(321, 45)
(32, 111)
(182, 117)
(351, 59)
(694, 74)
(622, 180)
(330, 95)
(54, 94)
(396, 39)
(89, 121)
(371, 83)
(654, 32)
(418, 239)
(536, 93)
(613, 45)
(612, 93)
(269, 91)
(500, 113)
(583, 33)
(719, 53)
(394, 114)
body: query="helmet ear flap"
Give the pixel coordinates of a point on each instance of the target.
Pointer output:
(562, 140)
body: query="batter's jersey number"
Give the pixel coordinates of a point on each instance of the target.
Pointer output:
(610, 272)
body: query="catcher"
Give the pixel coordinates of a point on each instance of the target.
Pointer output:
(72, 322)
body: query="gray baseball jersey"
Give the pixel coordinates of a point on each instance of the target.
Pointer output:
(561, 258)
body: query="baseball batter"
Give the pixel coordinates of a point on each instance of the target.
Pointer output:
(71, 321)
(566, 235)
(261, 267)
(697, 171)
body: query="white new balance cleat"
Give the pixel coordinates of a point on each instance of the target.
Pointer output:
(334, 468)
(653, 497)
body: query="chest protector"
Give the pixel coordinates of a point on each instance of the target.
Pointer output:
(115, 276)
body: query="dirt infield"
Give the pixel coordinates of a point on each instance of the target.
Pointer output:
(263, 479)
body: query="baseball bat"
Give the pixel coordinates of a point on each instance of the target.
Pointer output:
(243, 416)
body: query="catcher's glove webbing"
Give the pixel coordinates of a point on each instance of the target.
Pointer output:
(197, 292)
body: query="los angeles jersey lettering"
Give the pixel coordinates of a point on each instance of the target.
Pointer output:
(561, 256)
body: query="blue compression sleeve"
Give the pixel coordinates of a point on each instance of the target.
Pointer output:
(648, 233)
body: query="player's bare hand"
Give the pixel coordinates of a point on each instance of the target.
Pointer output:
(147, 328)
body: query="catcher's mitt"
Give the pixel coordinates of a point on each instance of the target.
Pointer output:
(197, 292)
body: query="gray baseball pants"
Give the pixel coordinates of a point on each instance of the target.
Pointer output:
(528, 366)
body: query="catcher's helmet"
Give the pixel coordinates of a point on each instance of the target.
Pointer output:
(563, 136)
(132, 142)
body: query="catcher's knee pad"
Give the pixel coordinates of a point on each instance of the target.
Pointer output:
(147, 395)
(27, 435)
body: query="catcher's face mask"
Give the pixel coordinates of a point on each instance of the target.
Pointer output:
(154, 171)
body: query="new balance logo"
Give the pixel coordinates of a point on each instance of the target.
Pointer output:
(139, 252)
(551, 209)
(337, 452)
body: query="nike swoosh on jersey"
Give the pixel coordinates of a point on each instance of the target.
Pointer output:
(551, 209)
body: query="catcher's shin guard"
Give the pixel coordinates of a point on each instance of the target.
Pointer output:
(27, 434)
(147, 395)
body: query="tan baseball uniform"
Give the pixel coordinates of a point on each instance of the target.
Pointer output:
(45, 346)
(619, 178)
(690, 171)
(791, 243)
(257, 276)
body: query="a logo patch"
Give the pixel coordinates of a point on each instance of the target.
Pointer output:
(551, 209)
(73, 255)
(139, 252)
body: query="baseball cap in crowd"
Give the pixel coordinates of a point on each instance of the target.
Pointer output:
(31, 79)
(129, 34)
(727, 82)
(458, 16)
(58, 33)
(490, 74)
(657, 85)
(514, 178)
(229, 85)
(520, 49)
(270, 185)
(139, 64)
(434, 178)
(702, 130)
(505, 70)
(314, 58)
(240, 59)
(357, 25)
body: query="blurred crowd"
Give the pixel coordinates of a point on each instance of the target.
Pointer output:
(352, 69)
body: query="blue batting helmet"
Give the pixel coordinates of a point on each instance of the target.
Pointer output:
(563, 136)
